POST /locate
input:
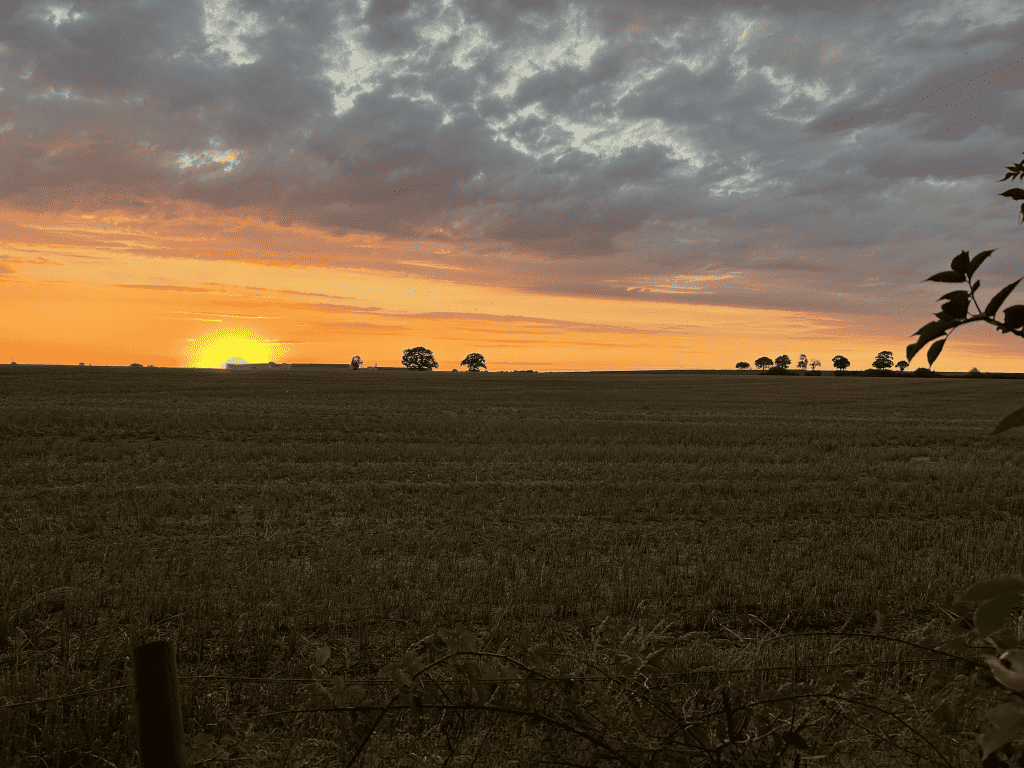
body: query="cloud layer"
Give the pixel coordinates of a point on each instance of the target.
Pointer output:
(816, 157)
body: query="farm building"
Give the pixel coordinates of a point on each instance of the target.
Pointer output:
(257, 366)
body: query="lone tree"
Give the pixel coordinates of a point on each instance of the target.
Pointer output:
(743, 366)
(474, 362)
(782, 361)
(902, 365)
(883, 360)
(815, 365)
(802, 365)
(356, 362)
(763, 362)
(840, 362)
(419, 359)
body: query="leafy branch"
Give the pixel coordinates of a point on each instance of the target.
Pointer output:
(954, 312)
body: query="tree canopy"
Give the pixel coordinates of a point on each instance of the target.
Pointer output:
(419, 359)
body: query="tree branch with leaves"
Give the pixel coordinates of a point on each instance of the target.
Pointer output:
(954, 312)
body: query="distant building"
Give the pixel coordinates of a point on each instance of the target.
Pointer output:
(339, 367)
(257, 366)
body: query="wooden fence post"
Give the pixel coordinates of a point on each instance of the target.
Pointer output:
(157, 706)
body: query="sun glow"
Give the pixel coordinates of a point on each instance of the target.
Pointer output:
(215, 349)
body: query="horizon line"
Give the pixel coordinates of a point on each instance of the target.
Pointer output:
(516, 370)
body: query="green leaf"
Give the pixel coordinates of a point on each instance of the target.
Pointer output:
(410, 663)
(1014, 170)
(542, 653)
(999, 298)
(956, 307)
(467, 640)
(935, 350)
(698, 734)
(1007, 669)
(946, 277)
(322, 655)
(795, 740)
(960, 263)
(993, 613)
(401, 677)
(928, 332)
(933, 330)
(989, 588)
(1014, 316)
(1015, 419)
(977, 262)
(1007, 721)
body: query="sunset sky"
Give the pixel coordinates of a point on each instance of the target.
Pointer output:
(557, 185)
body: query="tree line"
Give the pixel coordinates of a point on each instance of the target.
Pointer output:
(422, 359)
(883, 361)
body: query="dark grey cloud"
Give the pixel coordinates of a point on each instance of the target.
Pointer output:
(807, 154)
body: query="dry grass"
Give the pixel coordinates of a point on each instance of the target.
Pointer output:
(254, 517)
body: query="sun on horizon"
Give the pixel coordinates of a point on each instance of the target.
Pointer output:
(234, 345)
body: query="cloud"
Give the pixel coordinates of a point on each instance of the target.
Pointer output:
(576, 148)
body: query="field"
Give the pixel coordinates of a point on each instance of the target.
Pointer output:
(255, 517)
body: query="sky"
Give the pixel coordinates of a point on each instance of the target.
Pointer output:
(555, 185)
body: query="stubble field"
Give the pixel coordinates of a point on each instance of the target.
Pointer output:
(254, 517)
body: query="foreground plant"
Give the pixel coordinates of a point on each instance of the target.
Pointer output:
(954, 311)
(997, 598)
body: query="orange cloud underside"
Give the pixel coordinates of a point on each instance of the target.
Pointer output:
(115, 289)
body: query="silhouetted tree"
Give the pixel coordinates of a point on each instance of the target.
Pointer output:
(883, 360)
(743, 366)
(815, 364)
(802, 365)
(782, 361)
(356, 362)
(419, 359)
(474, 362)
(840, 363)
(902, 365)
(763, 362)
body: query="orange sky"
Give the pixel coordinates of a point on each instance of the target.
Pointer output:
(112, 290)
(652, 187)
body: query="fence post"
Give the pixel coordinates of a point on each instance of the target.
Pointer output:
(157, 706)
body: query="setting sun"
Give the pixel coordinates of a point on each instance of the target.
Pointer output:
(216, 349)
(602, 208)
